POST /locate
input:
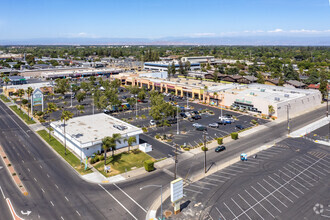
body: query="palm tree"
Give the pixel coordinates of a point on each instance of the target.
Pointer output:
(20, 94)
(51, 107)
(271, 110)
(6, 80)
(113, 143)
(106, 144)
(130, 141)
(66, 116)
(29, 92)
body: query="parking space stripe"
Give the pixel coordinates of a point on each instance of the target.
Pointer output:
(304, 168)
(278, 190)
(303, 173)
(266, 198)
(323, 168)
(260, 203)
(238, 166)
(202, 187)
(299, 176)
(212, 184)
(233, 170)
(193, 191)
(319, 162)
(221, 176)
(233, 174)
(230, 210)
(284, 187)
(240, 208)
(312, 167)
(294, 180)
(220, 213)
(290, 184)
(272, 194)
(221, 181)
(250, 206)
(254, 162)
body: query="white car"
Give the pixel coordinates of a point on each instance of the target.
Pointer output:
(152, 122)
(197, 125)
(188, 114)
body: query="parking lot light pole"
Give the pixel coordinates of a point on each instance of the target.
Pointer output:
(177, 120)
(176, 160)
(71, 96)
(288, 118)
(161, 197)
(136, 106)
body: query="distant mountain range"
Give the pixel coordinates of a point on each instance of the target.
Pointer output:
(253, 41)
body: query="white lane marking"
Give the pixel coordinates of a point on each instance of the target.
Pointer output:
(240, 208)
(250, 206)
(78, 213)
(239, 171)
(279, 190)
(293, 180)
(118, 201)
(267, 200)
(15, 122)
(202, 187)
(220, 213)
(282, 185)
(35, 179)
(34, 158)
(238, 166)
(304, 168)
(312, 167)
(56, 186)
(66, 198)
(48, 175)
(192, 191)
(40, 166)
(130, 197)
(230, 210)
(62, 218)
(272, 195)
(208, 178)
(249, 161)
(260, 203)
(52, 203)
(3, 195)
(42, 190)
(23, 161)
(28, 169)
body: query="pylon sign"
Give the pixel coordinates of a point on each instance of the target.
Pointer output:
(37, 99)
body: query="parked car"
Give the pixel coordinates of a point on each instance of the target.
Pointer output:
(188, 114)
(172, 121)
(220, 148)
(152, 122)
(240, 127)
(224, 122)
(182, 114)
(106, 111)
(196, 112)
(197, 125)
(196, 117)
(191, 119)
(201, 128)
(214, 125)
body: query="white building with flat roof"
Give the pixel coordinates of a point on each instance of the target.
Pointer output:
(162, 65)
(84, 134)
(201, 59)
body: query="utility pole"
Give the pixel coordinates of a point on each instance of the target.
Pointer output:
(288, 118)
(177, 120)
(204, 151)
(176, 160)
(328, 112)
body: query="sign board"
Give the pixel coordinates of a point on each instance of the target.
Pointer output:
(37, 99)
(145, 147)
(107, 169)
(176, 190)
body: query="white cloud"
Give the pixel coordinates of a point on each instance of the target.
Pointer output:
(308, 31)
(278, 30)
(253, 31)
(80, 34)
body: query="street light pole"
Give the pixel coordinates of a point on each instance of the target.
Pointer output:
(204, 151)
(161, 197)
(288, 118)
(71, 96)
(136, 107)
(177, 120)
(176, 160)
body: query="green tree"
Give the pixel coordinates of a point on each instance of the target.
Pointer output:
(79, 108)
(313, 76)
(106, 145)
(271, 110)
(29, 92)
(81, 96)
(142, 95)
(6, 80)
(20, 94)
(169, 71)
(130, 141)
(62, 86)
(113, 142)
(215, 76)
(51, 107)
(260, 79)
(173, 70)
(289, 73)
(187, 66)
(66, 116)
(323, 84)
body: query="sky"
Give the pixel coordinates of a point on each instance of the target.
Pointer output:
(28, 19)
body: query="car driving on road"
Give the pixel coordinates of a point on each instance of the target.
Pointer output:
(220, 148)
(213, 125)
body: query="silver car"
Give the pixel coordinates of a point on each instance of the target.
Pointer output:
(214, 125)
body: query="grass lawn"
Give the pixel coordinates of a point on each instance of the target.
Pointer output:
(21, 114)
(4, 98)
(119, 162)
(59, 148)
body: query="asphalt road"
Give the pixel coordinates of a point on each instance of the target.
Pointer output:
(55, 191)
(283, 182)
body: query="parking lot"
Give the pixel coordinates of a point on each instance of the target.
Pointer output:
(321, 134)
(287, 181)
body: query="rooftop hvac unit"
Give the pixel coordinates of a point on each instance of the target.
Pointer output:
(251, 93)
(274, 89)
(286, 95)
(186, 83)
(277, 99)
(262, 90)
